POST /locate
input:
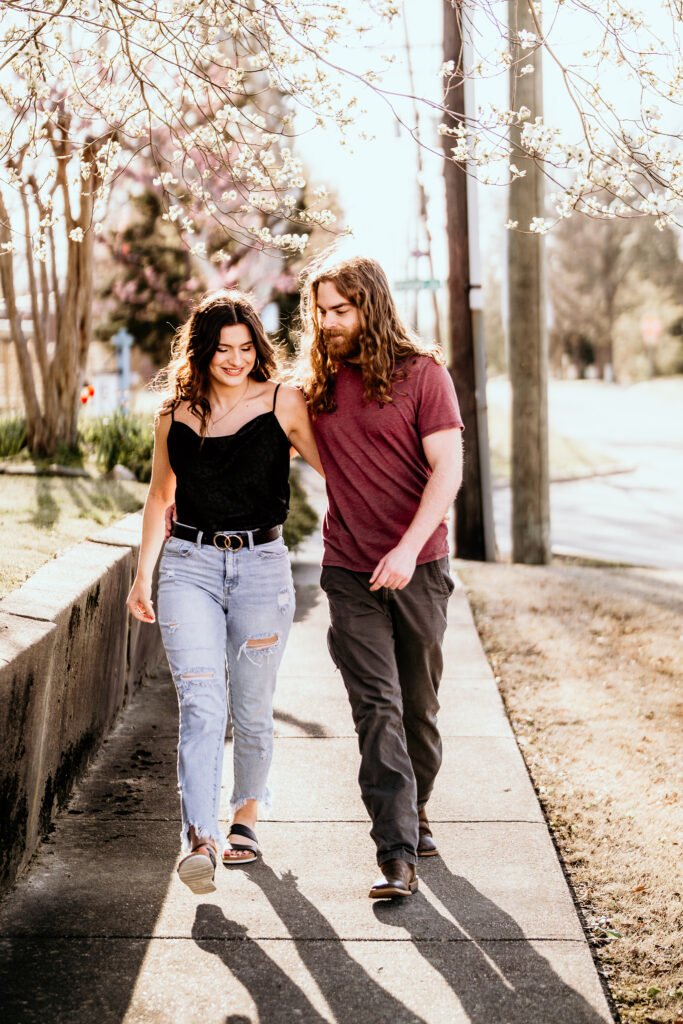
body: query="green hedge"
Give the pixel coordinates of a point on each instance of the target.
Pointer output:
(302, 520)
(121, 439)
(12, 436)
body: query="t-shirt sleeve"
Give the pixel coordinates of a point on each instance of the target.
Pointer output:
(437, 402)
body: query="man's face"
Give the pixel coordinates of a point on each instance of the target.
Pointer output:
(340, 324)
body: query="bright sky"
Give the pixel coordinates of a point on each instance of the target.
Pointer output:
(375, 180)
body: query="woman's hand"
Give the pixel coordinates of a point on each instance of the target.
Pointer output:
(139, 601)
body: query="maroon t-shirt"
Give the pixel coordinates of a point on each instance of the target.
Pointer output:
(375, 465)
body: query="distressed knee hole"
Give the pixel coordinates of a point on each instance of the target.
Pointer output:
(259, 643)
(192, 680)
(259, 648)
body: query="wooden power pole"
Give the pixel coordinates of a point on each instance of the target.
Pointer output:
(473, 526)
(528, 344)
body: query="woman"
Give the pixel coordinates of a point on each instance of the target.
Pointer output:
(221, 452)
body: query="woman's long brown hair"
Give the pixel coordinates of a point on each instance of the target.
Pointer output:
(195, 344)
(384, 341)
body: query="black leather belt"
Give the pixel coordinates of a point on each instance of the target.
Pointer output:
(226, 540)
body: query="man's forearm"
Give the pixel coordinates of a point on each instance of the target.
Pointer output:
(437, 498)
(444, 455)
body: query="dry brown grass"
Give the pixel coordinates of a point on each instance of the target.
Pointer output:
(589, 664)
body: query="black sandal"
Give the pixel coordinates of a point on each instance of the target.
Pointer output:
(250, 851)
(197, 870)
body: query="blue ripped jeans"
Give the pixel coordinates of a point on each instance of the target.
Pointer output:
(221, 609)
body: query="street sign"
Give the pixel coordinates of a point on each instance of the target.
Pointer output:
(122, 342)
(414, 284)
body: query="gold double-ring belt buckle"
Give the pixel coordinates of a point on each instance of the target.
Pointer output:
(227, 539)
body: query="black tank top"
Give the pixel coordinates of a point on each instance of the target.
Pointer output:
(236, 482)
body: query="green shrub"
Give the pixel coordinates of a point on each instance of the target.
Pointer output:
(12, 436)
(122, 439)
(302, 519)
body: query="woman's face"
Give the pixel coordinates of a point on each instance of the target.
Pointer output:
(234, 359)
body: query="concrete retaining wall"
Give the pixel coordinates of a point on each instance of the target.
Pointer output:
(70, 655)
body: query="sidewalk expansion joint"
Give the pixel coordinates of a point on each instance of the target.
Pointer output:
(60, 937)
(121, 819)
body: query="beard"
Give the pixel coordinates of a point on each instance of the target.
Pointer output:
(342, 343)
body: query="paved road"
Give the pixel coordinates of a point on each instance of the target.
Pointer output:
(635, 516)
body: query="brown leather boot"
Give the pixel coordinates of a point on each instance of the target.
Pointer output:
(398, 879)
(426, 847)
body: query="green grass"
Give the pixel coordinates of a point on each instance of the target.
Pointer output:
(42, 515)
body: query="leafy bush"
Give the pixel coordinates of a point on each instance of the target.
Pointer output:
(302, 519)
(12, 436)
(122, 439)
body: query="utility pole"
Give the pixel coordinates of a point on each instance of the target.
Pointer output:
(527, 333)
(421, 194)
(473, 512)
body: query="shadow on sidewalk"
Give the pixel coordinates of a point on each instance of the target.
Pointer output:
(351, 993)
(268, 985)
(316, 729)
(497, 981)
(75, 928)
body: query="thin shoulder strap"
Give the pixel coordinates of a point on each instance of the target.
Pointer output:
(172, 413)
(277, 388)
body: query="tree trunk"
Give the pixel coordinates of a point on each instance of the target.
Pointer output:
(469, 511)
(611, 278)
(52, 411)
(35, 424)
(528, 343)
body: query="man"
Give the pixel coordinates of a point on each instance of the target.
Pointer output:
(388, 428)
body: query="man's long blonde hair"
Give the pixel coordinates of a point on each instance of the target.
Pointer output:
(384, 340)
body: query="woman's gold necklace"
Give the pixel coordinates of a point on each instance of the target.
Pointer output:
(213, 422)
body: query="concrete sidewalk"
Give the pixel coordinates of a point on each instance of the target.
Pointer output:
(101, 930)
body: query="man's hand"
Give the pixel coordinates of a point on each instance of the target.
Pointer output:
(395, 570)
(168, 517)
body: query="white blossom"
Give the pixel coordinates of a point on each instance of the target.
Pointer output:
(539, 225)
(526, 39)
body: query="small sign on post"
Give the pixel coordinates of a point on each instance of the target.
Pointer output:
(415, 284)
(122, 342)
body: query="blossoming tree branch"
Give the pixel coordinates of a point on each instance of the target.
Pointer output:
(211, 95)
